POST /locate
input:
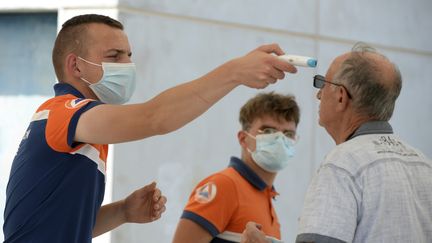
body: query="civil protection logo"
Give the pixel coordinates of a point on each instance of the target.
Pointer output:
(206, 193)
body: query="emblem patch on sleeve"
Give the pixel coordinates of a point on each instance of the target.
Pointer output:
(76, 103)
(206, 193)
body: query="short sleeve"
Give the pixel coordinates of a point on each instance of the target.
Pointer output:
(62, 121)
(212, 203)
(330, 207)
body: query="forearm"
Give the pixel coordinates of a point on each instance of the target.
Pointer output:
(178, 106)
(166, 112)
(109, 217)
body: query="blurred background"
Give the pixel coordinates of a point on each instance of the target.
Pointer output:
(174, 41)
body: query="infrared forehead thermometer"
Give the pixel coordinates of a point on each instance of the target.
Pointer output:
(299, 60)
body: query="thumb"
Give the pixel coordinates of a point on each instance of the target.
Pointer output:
(253, 225)
(271, 48)
(147, 188)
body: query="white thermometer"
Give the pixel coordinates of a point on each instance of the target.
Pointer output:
(300, 60)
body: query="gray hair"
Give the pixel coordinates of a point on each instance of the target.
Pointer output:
(364, 80)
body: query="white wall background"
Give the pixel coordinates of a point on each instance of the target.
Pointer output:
(177, 41)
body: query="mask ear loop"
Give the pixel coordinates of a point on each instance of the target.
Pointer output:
(92, 63)
(250, 135)
(86, 81)
(99, 65)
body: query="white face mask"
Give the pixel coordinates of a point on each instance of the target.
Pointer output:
(273, 151)
(117, 83)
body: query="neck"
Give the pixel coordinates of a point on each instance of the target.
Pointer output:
(83, 88)
(346, 126)
(266, 176)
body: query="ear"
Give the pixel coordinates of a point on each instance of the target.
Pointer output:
(343, 99)
(71, 67)
(318, 94)
(241, 136)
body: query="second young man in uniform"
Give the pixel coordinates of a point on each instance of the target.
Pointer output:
(222, 204)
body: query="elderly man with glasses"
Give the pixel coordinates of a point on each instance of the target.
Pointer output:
(373, 186)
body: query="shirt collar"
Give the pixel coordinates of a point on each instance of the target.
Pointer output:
(372, 127)
(247, 173)
(64, 89)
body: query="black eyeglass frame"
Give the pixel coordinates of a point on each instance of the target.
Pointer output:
(319, 82)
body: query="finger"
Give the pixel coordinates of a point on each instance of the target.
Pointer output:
(276, 74)
(155, 218)
(264, 78)
(253, 225)
(157, 194)
(258, 226)
(283, 65)
(271, 48)
(147, 188)
(262, 84)
(271, 74)
(159, 212)
(271, 80)
(163, 209)
(163, 200)
(160, 203)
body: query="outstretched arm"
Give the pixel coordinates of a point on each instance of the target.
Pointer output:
(142, 206)
(179, 105)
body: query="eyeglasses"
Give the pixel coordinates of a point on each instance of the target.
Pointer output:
(288, 133)
(319, 82)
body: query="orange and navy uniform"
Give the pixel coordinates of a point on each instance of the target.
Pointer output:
(224, 202)
(56, 185)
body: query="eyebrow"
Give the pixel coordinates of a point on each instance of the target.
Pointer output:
(267, 126)
(119, 51)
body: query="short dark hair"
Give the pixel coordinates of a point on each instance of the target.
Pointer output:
(72, 37)
(275, 105)
(365, 81)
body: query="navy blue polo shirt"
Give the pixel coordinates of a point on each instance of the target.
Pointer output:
(56, 186)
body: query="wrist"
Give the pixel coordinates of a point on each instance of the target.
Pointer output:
(227, 73)
(124, 218)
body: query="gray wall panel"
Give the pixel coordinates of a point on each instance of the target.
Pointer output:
(295, 15)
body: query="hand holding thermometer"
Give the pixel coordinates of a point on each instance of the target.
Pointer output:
(299, 60)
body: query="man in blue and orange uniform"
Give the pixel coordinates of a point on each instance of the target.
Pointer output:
(57, 179)
(222, 204)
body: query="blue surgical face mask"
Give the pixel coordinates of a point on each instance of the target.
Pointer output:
(117, 83)
(273, 151)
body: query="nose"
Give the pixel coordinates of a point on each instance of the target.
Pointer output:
(318, 95)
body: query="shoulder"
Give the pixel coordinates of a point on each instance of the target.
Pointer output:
(67, 101)
(362, 151)
(352, 155)
(222, 180)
